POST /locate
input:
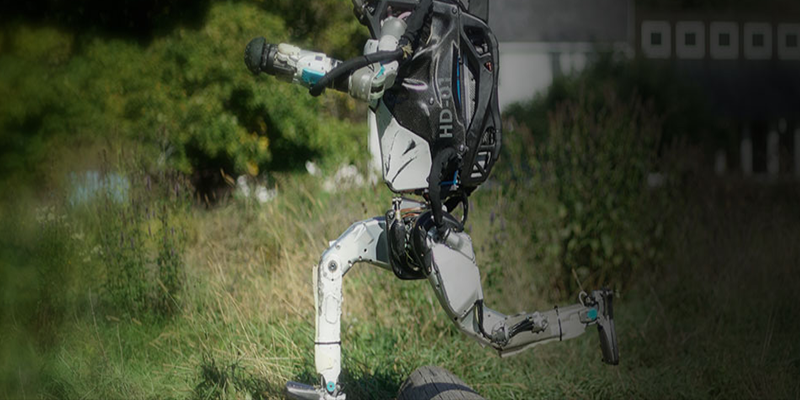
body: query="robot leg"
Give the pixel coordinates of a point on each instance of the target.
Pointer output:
(456, 281)
(516, 333)
(365, 242)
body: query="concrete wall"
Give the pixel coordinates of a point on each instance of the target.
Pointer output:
(527, 69)
(540, 39)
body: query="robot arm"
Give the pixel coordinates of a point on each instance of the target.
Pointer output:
(317, 71)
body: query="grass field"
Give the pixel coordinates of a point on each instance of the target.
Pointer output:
(717, 320)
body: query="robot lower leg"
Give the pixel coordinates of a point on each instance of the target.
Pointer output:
(363, 242)
(513, 334)
(455, 279)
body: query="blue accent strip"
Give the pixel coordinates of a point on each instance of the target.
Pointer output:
(451, 183)
(311, 77)
(381, 72)
(458, 81)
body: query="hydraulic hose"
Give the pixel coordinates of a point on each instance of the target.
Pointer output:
(454, 201)
(351, 65)
(415, 22)
(414, 25)
(440, 163)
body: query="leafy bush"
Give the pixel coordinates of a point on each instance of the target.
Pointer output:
(597, 161)
(185, 95)
(592, 161)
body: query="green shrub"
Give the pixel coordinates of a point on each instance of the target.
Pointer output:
(186, 95)
(597, 159)
(593, 164)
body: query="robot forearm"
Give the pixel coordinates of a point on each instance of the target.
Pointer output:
(293, 64)
(308, 68)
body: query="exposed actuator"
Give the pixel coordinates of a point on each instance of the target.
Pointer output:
(365, 78)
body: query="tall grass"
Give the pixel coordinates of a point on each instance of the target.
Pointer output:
(714, 321)
(136, 231)
(142, 295)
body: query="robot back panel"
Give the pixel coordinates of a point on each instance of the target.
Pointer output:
(447, 93)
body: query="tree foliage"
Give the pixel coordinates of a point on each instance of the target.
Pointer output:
(185, 95)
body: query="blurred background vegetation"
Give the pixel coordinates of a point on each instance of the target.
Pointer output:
(80, 74)
(129, 269)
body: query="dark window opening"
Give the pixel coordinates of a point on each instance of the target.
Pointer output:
(758, 40)
(791, 40)
(690, 39)
(655, 38)
(724, 39)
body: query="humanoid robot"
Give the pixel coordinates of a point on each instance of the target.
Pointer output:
(429, 74)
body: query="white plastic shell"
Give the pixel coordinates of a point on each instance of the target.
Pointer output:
(456, 279)
(405, 157)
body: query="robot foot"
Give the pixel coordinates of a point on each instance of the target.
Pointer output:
(513, 334)
(605, 325)
(301, 391)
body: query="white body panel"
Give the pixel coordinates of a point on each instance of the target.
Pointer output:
(362, 242)
(405, 157)
(328, 303)
(456, 279)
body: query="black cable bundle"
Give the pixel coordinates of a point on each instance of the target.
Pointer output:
(441, 161)
(414, 24)
(347, 67)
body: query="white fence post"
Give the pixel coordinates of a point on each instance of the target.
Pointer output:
(797, 152)
(773, 152)
(746, 150)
